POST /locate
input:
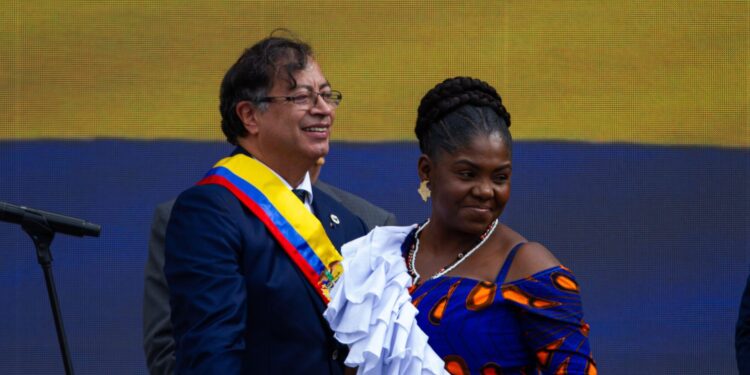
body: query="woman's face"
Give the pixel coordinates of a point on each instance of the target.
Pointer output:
(471, 186)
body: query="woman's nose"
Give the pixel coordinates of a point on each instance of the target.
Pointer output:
(483, 189)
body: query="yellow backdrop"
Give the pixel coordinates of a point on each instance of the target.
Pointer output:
(661, 72)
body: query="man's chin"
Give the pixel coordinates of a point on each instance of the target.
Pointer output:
(319, 152)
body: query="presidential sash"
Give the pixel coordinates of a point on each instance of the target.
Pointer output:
(294, 227)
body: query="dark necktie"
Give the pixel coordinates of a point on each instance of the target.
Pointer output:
(301, 194)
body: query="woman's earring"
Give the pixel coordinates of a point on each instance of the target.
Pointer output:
(423, 190)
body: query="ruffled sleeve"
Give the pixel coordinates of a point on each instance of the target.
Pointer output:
(551, 318)
(371, 311)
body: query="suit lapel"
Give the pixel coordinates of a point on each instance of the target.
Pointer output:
(311, 293)
(329, 220)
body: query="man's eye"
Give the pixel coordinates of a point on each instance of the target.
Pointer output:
(301, 98)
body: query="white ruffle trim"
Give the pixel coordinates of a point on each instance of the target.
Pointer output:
(371, 310)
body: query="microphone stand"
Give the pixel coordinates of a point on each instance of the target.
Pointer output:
(39, 230)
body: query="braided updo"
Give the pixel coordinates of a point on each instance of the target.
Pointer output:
(455, 111)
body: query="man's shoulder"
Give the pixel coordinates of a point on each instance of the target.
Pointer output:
(163, 209)
(204, 200)
(325, 198)
(208, 192)
(371, 214)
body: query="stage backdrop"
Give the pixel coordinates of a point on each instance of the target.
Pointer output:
(631, 160)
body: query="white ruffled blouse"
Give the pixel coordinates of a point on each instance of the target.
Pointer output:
(371, 309)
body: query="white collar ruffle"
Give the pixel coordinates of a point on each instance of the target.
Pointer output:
(371, 311)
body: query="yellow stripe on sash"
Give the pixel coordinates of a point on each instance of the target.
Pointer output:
(298, 231)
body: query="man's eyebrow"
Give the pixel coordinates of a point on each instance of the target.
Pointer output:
(308, 87)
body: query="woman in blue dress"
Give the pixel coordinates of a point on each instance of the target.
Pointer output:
(489, 300)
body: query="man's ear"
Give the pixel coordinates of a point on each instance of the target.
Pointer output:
(248, 114)
(424, 167)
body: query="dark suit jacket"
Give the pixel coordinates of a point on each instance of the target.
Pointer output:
(742, 333)
(372, 215)
(158, 341)
(239, 304)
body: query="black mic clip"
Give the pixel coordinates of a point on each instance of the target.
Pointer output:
(55, 222)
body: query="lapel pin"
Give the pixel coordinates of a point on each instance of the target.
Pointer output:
(335, 219)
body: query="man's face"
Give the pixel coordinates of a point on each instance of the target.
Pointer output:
(292, 132)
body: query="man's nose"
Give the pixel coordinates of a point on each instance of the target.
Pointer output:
(321, 107)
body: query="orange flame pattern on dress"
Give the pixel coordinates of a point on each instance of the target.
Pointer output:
(563, 369)
(437, 311)
(564, 283)
(585, 329)
(515, 294)
(491, 369)
(544, 355)
(456, 365)
(481, 296)
(590, 369)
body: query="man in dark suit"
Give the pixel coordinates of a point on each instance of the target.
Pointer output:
(248, 265)
(158, 342)
(742, 333)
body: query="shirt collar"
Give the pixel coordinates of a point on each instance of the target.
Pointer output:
(306, 184)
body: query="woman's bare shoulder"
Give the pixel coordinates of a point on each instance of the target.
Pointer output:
(531, 258)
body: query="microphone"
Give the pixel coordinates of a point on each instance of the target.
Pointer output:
(58, 223)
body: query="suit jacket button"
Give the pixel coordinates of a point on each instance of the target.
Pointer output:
(335, 354)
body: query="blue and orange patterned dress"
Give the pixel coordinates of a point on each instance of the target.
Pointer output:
(529, 326)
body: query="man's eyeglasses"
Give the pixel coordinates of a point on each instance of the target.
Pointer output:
(310, 99)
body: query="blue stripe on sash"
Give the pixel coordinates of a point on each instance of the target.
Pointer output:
(276, 217)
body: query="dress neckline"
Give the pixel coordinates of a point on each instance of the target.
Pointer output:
(477, 281)
(410, 239)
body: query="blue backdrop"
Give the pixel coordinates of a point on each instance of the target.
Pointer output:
(658, 237)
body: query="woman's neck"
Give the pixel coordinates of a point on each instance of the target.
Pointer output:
(442, 240)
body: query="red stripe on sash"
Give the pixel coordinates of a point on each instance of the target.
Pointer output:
(287, 246)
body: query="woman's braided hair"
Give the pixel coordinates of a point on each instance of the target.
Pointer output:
(455, 111)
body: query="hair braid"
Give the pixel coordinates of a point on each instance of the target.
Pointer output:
(451, 97)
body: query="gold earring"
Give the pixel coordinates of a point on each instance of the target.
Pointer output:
(423, 190)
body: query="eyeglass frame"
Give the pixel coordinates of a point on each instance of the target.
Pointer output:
(308, 96)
